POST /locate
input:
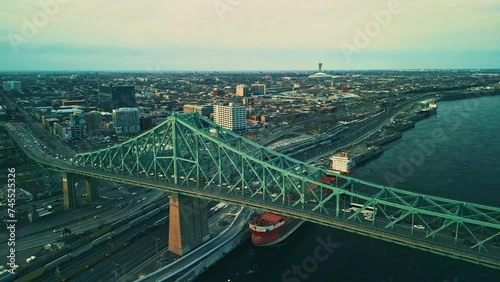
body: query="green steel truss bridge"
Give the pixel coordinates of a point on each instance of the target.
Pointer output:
(193, 156)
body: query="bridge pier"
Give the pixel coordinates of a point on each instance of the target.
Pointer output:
(69, 195)
(91, 188)
(188, 227)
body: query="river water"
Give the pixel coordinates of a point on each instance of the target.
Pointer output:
(454, 154)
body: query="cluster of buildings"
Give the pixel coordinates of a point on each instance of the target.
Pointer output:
(115, 112)
(85, 104)
(255, 89)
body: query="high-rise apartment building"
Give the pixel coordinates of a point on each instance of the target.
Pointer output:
(93, 122)
(77, 126)
(258, 88)
(126, 120)
(242, 90)
(114, 97)
(231, 117)
(11, 86)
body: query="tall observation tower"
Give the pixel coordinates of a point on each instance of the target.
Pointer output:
(320, 73)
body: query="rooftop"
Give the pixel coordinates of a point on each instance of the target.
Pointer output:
(320, 75)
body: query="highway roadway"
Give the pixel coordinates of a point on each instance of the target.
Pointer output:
(56, 145)
(240, 224)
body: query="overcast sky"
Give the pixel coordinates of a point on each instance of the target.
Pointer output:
(151, 35)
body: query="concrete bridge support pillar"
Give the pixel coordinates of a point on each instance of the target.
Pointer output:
(188, 226)
(69, 194)
(91, 188)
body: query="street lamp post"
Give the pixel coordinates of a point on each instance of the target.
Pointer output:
(156, 241)
(116, 272)
(160, 261)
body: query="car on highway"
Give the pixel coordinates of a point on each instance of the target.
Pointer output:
(419, 226)
(30, 259)
(56, 230)
(98, 207)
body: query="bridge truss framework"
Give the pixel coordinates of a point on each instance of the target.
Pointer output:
(191, 155)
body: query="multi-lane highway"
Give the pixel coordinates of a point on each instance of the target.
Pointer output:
(55, 144)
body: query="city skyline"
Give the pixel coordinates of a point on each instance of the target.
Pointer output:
(224, 35)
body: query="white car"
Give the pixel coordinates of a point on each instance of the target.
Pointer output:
(30, 259)
(98, 207)
(419, 226)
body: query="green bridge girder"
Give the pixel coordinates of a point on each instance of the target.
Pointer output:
(46, 177)
(194, 156)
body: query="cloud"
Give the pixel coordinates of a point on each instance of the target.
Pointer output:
(274, 27)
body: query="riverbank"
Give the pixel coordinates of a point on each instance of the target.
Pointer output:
(458, 95)
(392, 131)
